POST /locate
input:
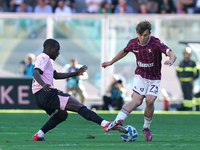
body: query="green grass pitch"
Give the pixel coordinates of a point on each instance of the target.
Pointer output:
(171, 131)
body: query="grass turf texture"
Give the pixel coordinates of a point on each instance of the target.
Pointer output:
(171, 130)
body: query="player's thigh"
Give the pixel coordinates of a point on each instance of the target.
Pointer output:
(140, 85)
(153, 87)
(73, 104)
(137, 98)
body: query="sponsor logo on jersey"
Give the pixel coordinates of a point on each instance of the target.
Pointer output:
(141, 89)
(135, 51)
(140, 64)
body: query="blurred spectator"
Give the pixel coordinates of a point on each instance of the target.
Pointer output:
(24, 22)
(62, 23)
(1, 20)
(114, 95)
(42, 7)
(113, 4)
(32, 3)
(180, 9)
(74, 84)
(62, 8)
(197, 7)
(105, 8)
(187, 73)
(7, 3)
(53, 4)
(28, 65)
(167, 7)
(93, 5)
(143, 8)
(189, 5)
(122, 7)
(136, 4)
(2, 6)
(72, 5)
(153, 6)
(24, 7)
(14, 4)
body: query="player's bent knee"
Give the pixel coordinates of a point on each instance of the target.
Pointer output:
(150, 101)
(61, 114)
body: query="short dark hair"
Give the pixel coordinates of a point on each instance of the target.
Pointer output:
(50, 43)
(142, 26)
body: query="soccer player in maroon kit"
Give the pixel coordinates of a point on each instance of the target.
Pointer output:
(148, 51)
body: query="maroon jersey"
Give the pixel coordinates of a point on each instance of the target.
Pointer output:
(148, 57)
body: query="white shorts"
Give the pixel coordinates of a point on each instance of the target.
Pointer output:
(144, 86)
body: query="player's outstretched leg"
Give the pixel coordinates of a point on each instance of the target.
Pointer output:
(36, 137)
(110, 125)
(147, 134)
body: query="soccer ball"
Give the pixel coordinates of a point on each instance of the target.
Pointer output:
(131, 135)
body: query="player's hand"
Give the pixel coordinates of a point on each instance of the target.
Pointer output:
(106, 64)
(82, 70)
(168, 62)
(46, 87)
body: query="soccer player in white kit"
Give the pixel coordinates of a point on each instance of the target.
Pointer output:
(148, 51)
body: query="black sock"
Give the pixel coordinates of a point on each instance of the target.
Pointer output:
(51, 123)
(90, 115)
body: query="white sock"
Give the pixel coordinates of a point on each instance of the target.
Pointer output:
(123, 114)
(147, 122)
(103, 123)
(40, 133)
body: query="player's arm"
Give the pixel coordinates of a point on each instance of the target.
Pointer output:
(172, 58)
(37, 77)
(80, 71)
(119, 56)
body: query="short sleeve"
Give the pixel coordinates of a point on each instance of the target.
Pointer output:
(41, 63)
(129, 46)
(162, 47)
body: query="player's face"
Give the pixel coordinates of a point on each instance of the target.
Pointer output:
(55, 52)
(144, 37)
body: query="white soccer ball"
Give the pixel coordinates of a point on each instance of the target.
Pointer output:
(131, 135)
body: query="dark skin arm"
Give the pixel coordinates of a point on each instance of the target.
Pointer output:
(37, 77)
(46, 87)
(81, 70)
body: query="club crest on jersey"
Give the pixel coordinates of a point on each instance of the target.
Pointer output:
(141, 89)
(149, 50)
